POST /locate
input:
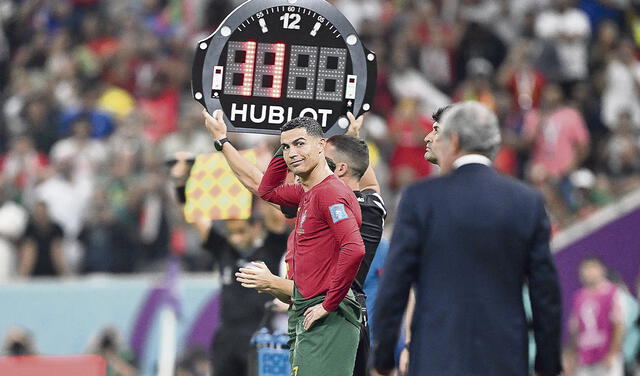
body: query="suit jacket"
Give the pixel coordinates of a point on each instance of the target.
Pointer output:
(469, 241)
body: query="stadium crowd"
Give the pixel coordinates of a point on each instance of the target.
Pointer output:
(95, 96)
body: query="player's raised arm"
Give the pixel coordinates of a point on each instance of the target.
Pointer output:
(273, 188)
(248, 174)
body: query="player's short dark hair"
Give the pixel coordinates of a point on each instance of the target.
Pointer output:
(437, 114)
(354, 150)
(312, 127)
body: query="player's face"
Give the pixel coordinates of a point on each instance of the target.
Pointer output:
(445, 151)
(241, 234)
(301, 151)
(429, 141)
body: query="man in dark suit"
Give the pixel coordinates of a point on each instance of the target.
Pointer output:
(468, 242)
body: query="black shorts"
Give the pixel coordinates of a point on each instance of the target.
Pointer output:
(230, 351)
(362, 354)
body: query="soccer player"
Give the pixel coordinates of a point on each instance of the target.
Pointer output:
(327, 250)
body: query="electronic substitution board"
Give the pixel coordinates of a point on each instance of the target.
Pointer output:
(274, 60)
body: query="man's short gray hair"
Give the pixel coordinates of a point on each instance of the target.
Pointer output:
(476, 126)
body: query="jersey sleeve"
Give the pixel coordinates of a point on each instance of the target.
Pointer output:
(273, 188)
(339, 215)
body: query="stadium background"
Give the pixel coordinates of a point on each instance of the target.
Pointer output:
(120, 70)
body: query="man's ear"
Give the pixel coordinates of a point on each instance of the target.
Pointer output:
(322, 143)
(342, 169)
(455, 141)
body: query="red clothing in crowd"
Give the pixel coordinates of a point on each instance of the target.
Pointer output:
(327, 246)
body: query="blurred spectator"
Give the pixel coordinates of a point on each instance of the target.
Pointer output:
(601, 10)
(478, 41)
(119, 361)
(621, 154)
(477, 85)
(519, 75)
(41, 249)
(622, 87)
(358, 11)
(13, 220)
(596, 323)
(21, 168)
(105, 239)
(152, 206)
(589, 193)
(408, 129)
(630, 309)
(18, 342)
(567, 29)
(67, 200)
(190, 134)
(585, 98)
(194, 362)
(406, 81)
(86, 155)
(437, 40)
(38, 121)
(603, 46)
(559, 142)
(100, 123)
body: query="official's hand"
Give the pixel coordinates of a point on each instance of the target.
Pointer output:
(180, 171)
(259, 277)
(313, 314)
(215, 124)
(403, 364)
(354, 125)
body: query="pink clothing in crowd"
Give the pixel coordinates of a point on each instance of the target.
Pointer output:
(593, 314)
(556, 139)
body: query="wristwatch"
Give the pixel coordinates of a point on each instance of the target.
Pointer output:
(218, 143)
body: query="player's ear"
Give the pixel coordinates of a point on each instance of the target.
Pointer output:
(322, 142)
(342, 169)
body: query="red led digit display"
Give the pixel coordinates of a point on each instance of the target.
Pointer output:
(238, 78)
(248, 68)
(278, 69)
(269, 67)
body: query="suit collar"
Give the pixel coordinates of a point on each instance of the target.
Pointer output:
(471, 159)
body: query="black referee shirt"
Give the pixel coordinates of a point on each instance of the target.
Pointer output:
(373, 215)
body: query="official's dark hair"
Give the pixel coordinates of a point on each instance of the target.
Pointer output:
(437, 114)
(312, 127)
(354, 151)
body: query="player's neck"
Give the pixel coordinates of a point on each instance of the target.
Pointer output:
(315, 176)
(352, 183)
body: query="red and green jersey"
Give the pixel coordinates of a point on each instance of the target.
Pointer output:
(327, 246)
